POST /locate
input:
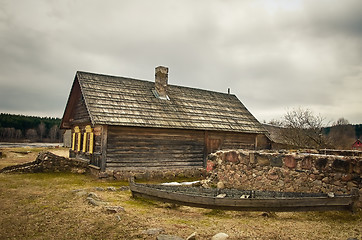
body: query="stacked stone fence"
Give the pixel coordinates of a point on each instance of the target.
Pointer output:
(285, 171)
(49, 162)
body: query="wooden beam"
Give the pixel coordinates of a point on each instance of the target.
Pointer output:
(104, 144)
(206, 150)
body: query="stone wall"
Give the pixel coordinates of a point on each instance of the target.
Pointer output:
(168, 174)
(285, 171)
(49, 162)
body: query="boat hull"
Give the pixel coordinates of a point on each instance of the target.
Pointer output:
(338, 203)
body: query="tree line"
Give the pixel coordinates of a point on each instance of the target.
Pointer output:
(29, 128)
(302, 128)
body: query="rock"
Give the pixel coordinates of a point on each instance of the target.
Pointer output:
(192, 236)
(168, 237)
(351, 185)
(346, 177)
(205, 183)
(272, 174)
(338, 183)
(114, 209)
(93, 195)
(220, 185)
(99, 189)
(263, 160)
(94, 202)
(231, 156)
(337, 176)
(223, 195)
(269, 214)
(153, 231)
(252, 158)
(210, 166)
(290, 161)
(306, 163)
(220, 236)
(276, 161)
(212, 157)
(341, 165)
(112, 189)
(318, 182)
(77, 170)
(124, 188)
(103, 175)
(325, 179)
(330, 195)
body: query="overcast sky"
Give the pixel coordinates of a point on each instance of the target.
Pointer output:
(274, 55)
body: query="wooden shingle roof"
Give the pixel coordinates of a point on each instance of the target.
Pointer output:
(112, 100)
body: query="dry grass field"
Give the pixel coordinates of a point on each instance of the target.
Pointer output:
(45, 206)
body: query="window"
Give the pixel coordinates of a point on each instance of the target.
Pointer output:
(88, 137)
(83, 142)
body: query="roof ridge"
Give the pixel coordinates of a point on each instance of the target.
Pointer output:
(152, 81)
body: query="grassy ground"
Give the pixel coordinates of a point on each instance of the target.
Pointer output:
(44, 206)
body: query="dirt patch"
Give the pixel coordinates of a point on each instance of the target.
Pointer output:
(63, 152)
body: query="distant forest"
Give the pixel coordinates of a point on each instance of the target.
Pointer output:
(18, 128)
(355, 130)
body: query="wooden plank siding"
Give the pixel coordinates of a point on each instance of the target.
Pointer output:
(230, 140)
(80, 115)
(132, 147)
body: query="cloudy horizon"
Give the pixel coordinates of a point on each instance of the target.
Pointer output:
(274, 55)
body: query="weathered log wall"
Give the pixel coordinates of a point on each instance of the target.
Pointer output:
(230, 140)
(130, 148)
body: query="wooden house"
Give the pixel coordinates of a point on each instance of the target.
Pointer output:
(357, 145)
(123, 123)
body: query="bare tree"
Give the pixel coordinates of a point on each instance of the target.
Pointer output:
(53, 133)
(8, 133)
(18, 134)
(41, 130)
(342, 134)
(301, 128)
(341, 121)
(31, 134)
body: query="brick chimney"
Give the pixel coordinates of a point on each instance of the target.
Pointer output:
(161, 81)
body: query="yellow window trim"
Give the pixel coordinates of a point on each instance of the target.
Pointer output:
(84, 142)
(91, 136)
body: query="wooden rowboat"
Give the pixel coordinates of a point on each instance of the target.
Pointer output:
(244, 200)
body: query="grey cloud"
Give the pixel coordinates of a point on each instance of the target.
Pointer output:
(306, 53)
